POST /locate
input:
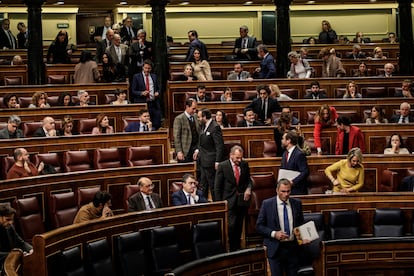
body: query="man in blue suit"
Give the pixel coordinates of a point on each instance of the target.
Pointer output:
(145, 90)
(267, 69)
(189, 195)
(277, 218)
(144, 123)
(294, 159)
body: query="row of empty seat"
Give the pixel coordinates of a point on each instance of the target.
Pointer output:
(148, 252)
(70, 161)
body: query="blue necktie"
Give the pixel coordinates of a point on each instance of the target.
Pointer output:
(189, 199)
(286, 218)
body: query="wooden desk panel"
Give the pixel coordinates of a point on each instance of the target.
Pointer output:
(46, 245)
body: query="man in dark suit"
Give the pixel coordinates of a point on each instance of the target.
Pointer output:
(139, 51)
(404, 116)
(356, 53)
(103, 44)
(22, 36)
(47, 129)
(277, 218)
(249, 119)
(145, 90)
(128, 32)
(267, 69)
(101, 31)
(294, 159)
(144, 123)
(201, 96)
(186, 129)
(238, 73)
(12, 131)
(195, 43)
(145, 199)
(7, 39)
(315, 92)
(209, 152)
(189, 194)
(233, 184)
(245, 46)
(264, 106)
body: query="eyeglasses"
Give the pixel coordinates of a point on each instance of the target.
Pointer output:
(14, 126)
(149, 186)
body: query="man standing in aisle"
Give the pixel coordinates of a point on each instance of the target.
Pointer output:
(233, 184)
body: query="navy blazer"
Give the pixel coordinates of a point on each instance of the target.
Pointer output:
(134, 127)
(297, 162)
(138, 86)
(268, 221)
(179, 198)
(272, 106)
(396, 119)
(267, 68)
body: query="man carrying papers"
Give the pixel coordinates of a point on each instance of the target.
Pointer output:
(294, 164)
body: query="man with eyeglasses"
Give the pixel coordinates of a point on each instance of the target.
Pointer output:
(47, 129)
(12, 131)
(145, 199)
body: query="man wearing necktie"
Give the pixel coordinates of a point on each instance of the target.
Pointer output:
(277, 218)
(128, 32)
(7, 39)
(144, 123)
(145, 199)
(189, 194)
(145, 90)
(294, 159)
(245, 46)
(239, 74)
(404, 116)
(237, 193)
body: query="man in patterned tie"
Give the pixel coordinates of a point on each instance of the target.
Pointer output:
(237, 193)
(128, 32)
(145, 199)
(276, 228)
(189, 194)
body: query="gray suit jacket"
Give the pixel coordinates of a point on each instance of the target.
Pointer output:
(136, 202)
(124, 52)
(243, 75)
(182, 133)
(4, 133)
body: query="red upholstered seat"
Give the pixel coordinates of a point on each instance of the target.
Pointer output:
(216, 95)
(51, 159)
(25, 101)
(127, 120)
(63, 208)
(76, 161)
(29, 217)
(374, 92)
(13, 80)
(56, 79)
(129, 190)
(85, 195)
(6, 163)
(86, 125)
(138, 156)
(269, 148)
(106, 158)
(389, 181)
(30, 127)
(291, 92)
(250, 95)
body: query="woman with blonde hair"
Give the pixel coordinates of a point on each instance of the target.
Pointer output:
(350, 92)
(67, 127)
(275, 93)
(349, 173)
(102, 125)
(39, 100)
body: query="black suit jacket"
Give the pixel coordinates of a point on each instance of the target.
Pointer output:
(197, 44)
(4, 40)
(4, 133)
(9, 239)
(251, 46)
(138, 53)
(407, 184)
(244, 123)
(21, 41)
(179, 198)
(211, 145)
(125, 36)
(272, 106)
(268, 221)
(39, 132)
(396, 119)
(100, 50)
(297, 162)
(225, 187)
(136, 202)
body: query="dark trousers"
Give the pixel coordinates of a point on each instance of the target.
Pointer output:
(207, 175)
(154, 109)
(286, 259)
(236, 216)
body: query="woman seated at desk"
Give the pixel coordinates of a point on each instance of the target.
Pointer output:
(102, 125)
(349, 173)
(396, 145)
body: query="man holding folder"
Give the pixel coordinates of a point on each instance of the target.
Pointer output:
(294, 164)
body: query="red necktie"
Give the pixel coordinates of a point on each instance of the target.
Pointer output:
(287, 156)
(147, 85)
(236, 173)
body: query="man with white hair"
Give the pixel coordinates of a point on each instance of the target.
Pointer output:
(84, 98)
(103, 44)
(404, 117)
(245, 46)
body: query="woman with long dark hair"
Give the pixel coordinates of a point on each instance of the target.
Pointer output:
(86, 71)
(58, 51)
